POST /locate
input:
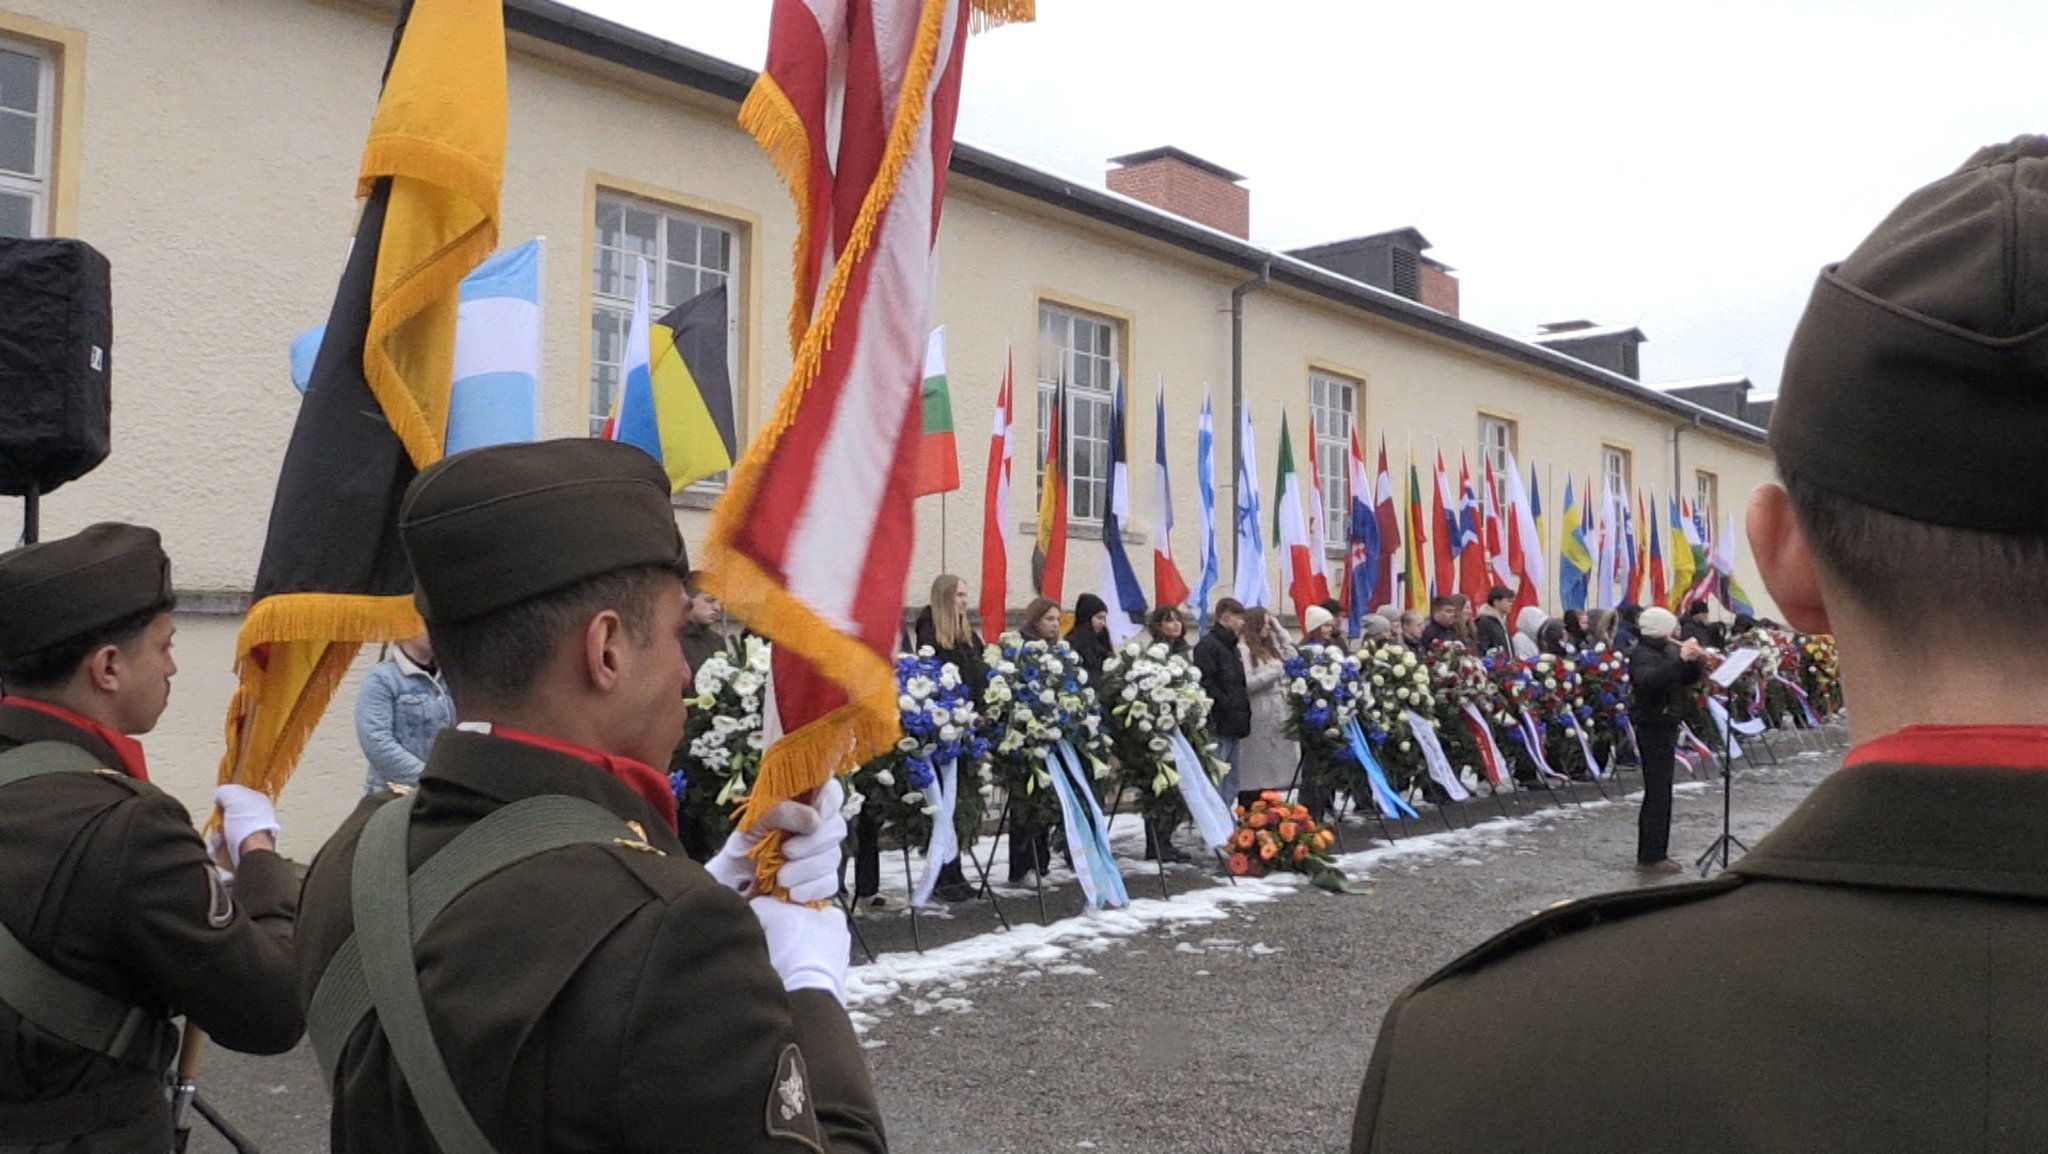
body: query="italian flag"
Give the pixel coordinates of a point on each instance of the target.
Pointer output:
(938, 458)
(1290, 529)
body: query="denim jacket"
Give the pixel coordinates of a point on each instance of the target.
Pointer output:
(398, 711)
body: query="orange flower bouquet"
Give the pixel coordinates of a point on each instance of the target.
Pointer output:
(1273, 835)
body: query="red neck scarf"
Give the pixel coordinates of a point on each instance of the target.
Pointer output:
(651, 784)
(1983, 746)
(125, 747)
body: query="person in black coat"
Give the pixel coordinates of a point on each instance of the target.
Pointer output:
(1660, 670)
(1443, 623)
(1230, 711)
(1090, 635)
(1492, 621)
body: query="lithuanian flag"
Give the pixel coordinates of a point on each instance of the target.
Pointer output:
(334, 574)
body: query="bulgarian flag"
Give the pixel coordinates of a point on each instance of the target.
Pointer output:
(811, 543)
(1415, 576)
(938, 458)
(995, 515)
(1389, 518)
(1290, 529)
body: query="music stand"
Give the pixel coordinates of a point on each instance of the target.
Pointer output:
(1736, 664)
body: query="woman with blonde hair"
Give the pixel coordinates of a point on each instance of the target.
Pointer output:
(942, 627)
(1266, 758)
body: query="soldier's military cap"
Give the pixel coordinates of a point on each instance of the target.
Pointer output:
(492, 527)
(54, 591)
(1917, 380)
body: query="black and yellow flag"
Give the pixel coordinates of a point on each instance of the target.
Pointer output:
(334, 574)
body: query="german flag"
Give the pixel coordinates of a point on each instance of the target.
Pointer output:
(334, 574)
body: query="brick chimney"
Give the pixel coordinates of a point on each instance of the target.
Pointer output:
(1185, 185)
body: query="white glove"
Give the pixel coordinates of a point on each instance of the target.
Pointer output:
(811, 847)
(243, 814)
(808, 947)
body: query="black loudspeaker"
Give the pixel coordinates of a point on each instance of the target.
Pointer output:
(56, 357)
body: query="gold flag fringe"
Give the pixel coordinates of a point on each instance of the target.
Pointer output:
(989, 14)
(772, 120)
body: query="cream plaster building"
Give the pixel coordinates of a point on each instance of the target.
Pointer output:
(209, 148)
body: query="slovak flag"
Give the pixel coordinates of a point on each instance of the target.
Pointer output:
(1362, 544)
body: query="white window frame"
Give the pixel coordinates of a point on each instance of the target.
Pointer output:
(1333, 403)
(1088, 372)
(1497, 437)
(1706, 494)
(36, 185)
(615, 308)
(1614, 474)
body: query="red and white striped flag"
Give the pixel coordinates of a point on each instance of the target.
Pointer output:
(1318, 515)
(811, 543)
(995, 514)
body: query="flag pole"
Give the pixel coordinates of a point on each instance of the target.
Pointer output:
(942, 533)
(1552, 557)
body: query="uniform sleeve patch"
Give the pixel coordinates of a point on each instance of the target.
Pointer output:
(791, 1113)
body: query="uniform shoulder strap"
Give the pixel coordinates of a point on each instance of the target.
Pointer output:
(38, 758)
(56, 1002)
(375, 968)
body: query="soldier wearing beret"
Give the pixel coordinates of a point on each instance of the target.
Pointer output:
(605, 992)
(112, 916)
(1869, 977)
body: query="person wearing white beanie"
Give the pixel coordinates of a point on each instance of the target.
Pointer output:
(1660, 673)
(1318, 626)
(1657, 622)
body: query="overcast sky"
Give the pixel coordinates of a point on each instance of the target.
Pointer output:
(1685, 172)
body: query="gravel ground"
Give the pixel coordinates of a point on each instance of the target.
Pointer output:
(1228, 1018)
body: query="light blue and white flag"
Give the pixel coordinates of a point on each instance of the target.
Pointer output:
(1249, 557)
(1205, 494)
(495, 395)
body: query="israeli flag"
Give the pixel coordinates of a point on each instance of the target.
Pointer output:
(1249, 586)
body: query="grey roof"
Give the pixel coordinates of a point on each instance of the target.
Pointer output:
(1586, 332)
(557, 23)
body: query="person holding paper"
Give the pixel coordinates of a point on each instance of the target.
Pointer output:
(1660, 673)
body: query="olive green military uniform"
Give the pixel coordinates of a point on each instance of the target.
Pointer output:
(1867, 979)
(594, 998)
(104, 879)
(608, 995)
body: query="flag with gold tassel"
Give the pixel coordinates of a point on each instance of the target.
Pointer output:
(810, 545)
(333, 573)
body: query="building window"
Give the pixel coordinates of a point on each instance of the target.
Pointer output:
(1614, 475)
(687, 254)
(27, 97)
(1706, 496)
(1497, 449)
(1333, 404)
(1081, 349)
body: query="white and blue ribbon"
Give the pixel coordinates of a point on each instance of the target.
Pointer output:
(1532, 740)
(1440, 770)
(944, 845)
(1585, 747)
(1383, 795)
(1719, 713)
(1204, 804)
(1087, 834)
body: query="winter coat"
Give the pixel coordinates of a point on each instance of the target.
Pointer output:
(399, 710)
(1657, 683)
(1223, 677)
(1093, 648)
(1267, 757)
(1493, 632)
(965, 654)
(1527, 623)
(1435, 632)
